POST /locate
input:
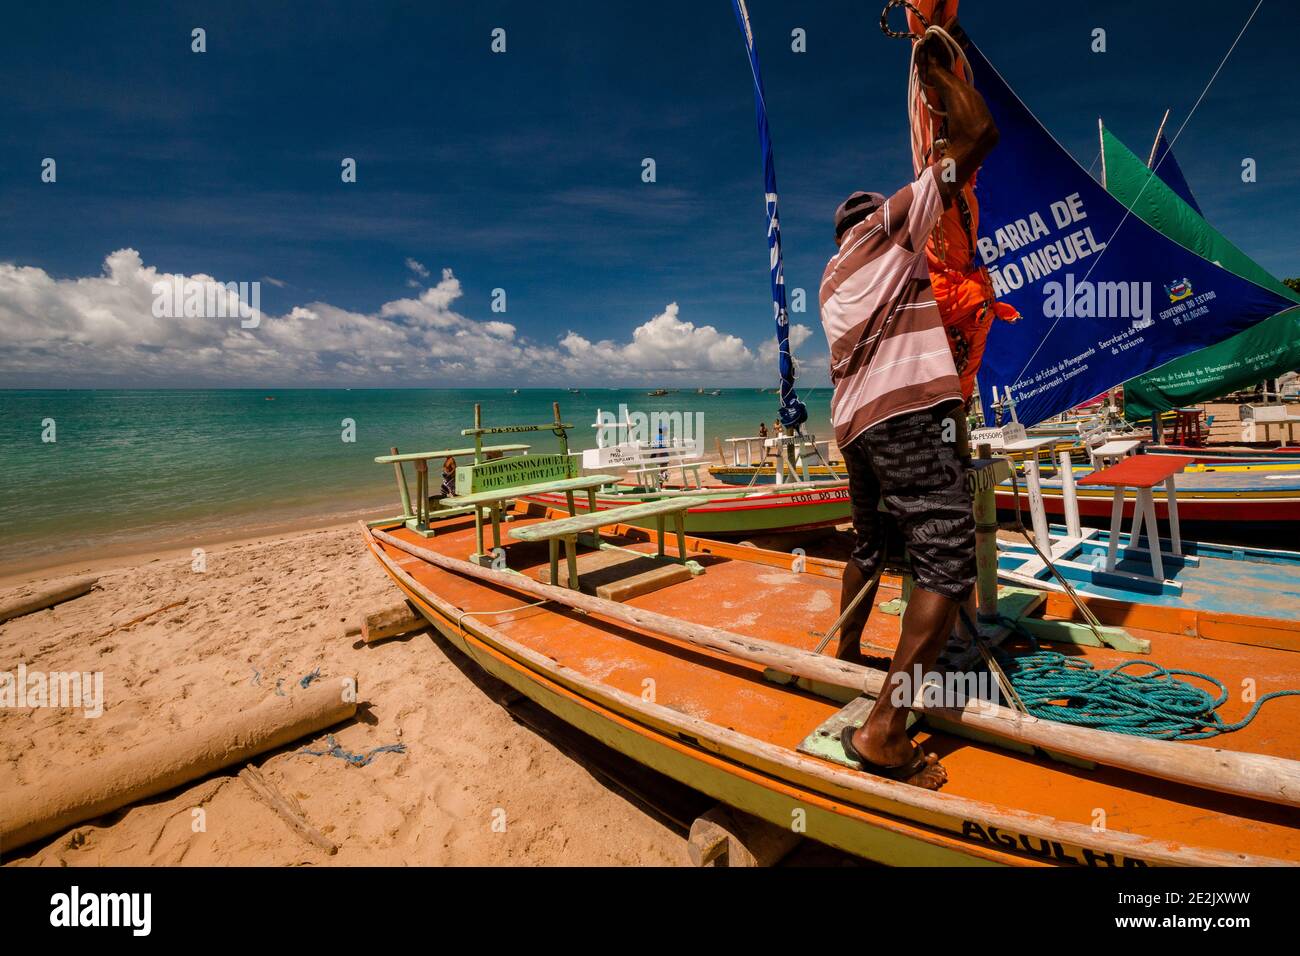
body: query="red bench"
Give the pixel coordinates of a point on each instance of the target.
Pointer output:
(1142, 473)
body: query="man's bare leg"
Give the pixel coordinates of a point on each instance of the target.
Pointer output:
(851, 631)
(883, 738)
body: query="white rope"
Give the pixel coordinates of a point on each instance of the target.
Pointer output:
(510, 610)
(916, 93)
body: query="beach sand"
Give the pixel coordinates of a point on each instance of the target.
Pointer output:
(277, 607)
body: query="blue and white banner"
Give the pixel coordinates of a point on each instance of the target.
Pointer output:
(1104, 297)
(793, 414)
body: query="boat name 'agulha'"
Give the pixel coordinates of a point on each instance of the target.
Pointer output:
(1048, 849)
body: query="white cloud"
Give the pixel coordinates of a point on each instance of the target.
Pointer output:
(799, 334)
(102, 330)
(665, 343)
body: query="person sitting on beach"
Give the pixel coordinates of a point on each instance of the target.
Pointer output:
(448, 478)
(896, 388)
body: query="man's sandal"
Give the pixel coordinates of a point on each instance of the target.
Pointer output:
(903, 771)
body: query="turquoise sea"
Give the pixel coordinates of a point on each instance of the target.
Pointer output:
(136, 470)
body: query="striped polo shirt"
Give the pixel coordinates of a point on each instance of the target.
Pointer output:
(889, 351)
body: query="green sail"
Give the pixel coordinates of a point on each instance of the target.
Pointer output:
(1264, 351)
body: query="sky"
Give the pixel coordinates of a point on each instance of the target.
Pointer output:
(522, 171)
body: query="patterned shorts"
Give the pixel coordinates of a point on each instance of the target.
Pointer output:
(906, 462)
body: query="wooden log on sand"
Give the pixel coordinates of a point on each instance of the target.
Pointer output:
(401, 618)
(46, 598)
(728, 837)
(93, 789)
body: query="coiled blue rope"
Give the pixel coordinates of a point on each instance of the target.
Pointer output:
(1155, 704)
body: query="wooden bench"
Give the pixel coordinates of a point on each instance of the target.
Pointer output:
(487, 486)
(1268, 415)
(747, 444)
(1142, 473)
(418, 514)
(654, 463)
(568, 529)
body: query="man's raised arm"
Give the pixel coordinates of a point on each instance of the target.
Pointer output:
(971, 131)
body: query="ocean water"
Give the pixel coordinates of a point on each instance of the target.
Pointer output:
(133, 470)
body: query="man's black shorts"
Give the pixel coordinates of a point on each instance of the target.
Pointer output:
(912, 463)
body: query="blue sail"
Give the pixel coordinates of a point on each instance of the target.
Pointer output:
(792, 412)
(1167, 168)
(1104, 297)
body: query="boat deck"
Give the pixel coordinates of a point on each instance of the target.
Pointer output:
(1240, 580)
(746, 594)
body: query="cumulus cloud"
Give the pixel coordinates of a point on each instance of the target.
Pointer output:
(102, 330)
(799, 334)
(665, 343)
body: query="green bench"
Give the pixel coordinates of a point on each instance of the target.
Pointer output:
(568, 529)
(417, 515)
(486, 486)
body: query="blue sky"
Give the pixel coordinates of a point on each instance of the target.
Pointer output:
(522, 170)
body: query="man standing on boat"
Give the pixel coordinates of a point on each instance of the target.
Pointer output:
(895, 410)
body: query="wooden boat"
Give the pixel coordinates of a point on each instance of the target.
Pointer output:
(714, 682)
(1219, 500)
(735, 512)
(751, 475)
(765, 473)
(1227, 453)
(1217, 577)
(703, 662)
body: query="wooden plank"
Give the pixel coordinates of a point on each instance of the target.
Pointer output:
(577, 524)
(450, 453)
(502, 494)
(378, 624)
(1074, 632)
(618, 575)
(1258, 776)
(728, 837)
(286, 807)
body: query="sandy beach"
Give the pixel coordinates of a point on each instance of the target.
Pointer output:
(269, 611)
